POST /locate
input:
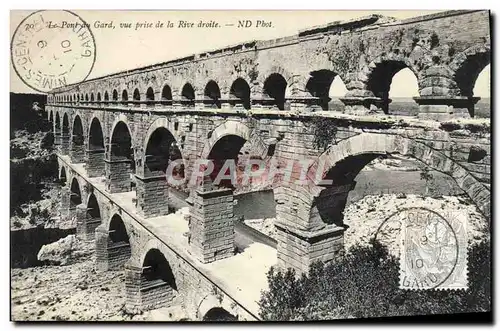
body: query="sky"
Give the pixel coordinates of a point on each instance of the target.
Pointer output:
(123, 49)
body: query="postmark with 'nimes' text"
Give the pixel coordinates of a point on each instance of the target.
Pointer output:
(52, 49)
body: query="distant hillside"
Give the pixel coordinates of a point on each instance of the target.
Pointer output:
(22, 115)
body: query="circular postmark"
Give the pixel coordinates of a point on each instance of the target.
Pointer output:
(428, 247)
(52, 49)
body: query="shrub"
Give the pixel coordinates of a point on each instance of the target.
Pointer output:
(365, 283)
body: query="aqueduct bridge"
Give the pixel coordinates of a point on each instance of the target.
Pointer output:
(263, 100)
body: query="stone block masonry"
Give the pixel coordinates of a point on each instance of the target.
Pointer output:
(117, 176)
(152, 196)
(94, 163)
(110, 255)
(212, 224)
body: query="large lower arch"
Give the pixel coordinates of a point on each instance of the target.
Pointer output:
(323, 198)
(77, 142)
(212, 308)
(274, 89)
(96, 152)
(162, 165)
(150, 286)
(112, 244)
(120, 159)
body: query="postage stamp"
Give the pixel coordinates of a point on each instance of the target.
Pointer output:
(52, 49)
(433, 251)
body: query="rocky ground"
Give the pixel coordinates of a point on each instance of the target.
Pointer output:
(68, 288)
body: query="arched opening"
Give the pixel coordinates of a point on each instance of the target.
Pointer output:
(65, 126)
(224, 154)
(212, 95)
(93, 210)
(274, 88)
(160, 150)
(122, 158)
(106, 96)
(98, 96)
(166, 95)
(118, 248)
(218, 314)
(157, 271)
(482, 89)
(240, 93)
(115, 95)
(330, 205)
(121, 143)
(95, 162)
(93, 214)
(77, 152)
(76, 196)
(318, 86)
(125, 96)
(380, 79)
(337, 91)
(86, 97)
(58, 122)
(92, 97)
(75, 98)
(136, 96)
(65, 135)
(187, 95)
(118, 231)
(62, 176)
(78, 97)
(150, 95)
(96, 139)
(403, 88)
(469, 71)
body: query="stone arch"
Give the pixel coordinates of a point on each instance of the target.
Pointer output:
(367, 144)
(86, 97)
(98, 96)
(121, 156)
(106, 96)
(62, 176)
(78, 140)
(92, 97)
(212, 95)
(234, 128)
(136, 96)
(124, 97)
(166, 95)
(93, 209)
(239, 93)
(188, 95)
(161, 123)
(115, 95)
(150, 94)
(225, 143)
(211, 306)
(467, 66)
(280, 70)
(152, 280)
(378, 75)
(57, 122)
(96, 150)
(274, 90)
(113, 247)
(318, 85)
(65, 124)
(75, 194)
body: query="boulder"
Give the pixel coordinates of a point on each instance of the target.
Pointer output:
(64, 251)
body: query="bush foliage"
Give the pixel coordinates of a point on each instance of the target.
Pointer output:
(365, 283)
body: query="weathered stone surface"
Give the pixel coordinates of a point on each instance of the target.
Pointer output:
(63, 252)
